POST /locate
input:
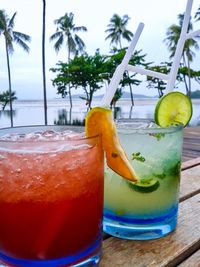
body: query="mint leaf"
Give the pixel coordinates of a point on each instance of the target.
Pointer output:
(137, 156)
(158, 136)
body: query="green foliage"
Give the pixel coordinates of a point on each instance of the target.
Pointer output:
(82, 71)
(91, 72)
(5, 98)
(156, 83)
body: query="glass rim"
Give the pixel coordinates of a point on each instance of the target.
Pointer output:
(141, 126)
(37, 128)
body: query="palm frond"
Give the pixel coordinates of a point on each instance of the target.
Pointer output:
(80, 43)
(58, 43)
(197, 15)
(22, 44)
(11, 23)
(80, 28)
(56, 35)
(22, 36)
(3, 19)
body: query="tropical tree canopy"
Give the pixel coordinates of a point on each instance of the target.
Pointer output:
(117, 30)
(5, 98)
(66, 29)
(83, 71)
(173, 34)
(7, 29)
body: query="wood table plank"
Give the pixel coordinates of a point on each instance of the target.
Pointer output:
(190, 163)
(193, 261)
(190, 182)
(167, 251)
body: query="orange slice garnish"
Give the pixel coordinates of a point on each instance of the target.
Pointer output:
(99, 120)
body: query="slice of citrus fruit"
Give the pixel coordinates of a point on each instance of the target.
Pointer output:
(145, 185)
(172, 109)
(99, 120)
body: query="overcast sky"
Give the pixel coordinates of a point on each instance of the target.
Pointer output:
(26, 69)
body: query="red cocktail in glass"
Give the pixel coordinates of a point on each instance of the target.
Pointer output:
(51, 199)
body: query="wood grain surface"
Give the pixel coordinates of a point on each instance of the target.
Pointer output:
(193, 261)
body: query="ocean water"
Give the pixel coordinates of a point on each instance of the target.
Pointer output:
(59, 112)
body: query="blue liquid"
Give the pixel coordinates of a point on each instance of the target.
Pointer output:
(87, 258)
(134, 228)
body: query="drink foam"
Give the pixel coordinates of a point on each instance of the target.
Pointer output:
(42, 142)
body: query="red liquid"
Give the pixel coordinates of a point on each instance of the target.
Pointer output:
(50, 206)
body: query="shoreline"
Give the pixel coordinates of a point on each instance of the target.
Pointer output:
(81, 103)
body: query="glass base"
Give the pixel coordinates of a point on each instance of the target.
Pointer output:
(139, 231)
(88, 258)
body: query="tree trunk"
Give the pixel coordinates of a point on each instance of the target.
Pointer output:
(10, 87)
(131, 92)
(189, 79)
(120, 43)
(43, 61)
(70, 97)
(69, 89)
(90, 99)
(70, 116)
(130, 112)
(184, 77)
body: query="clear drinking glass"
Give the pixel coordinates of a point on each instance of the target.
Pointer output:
(51, 197)
(147, 210)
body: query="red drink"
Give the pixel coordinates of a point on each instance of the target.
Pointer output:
(51, 200)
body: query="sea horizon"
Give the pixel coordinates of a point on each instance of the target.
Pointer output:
(31, 112)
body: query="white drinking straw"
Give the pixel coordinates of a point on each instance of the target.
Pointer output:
(117, 76)
(179, 48)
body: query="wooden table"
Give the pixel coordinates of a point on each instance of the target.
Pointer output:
(180, 248)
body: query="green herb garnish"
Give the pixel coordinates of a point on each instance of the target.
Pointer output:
(137, 156)
(158, 136)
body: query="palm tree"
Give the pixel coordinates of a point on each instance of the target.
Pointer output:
(5, 98)
(67, 29)
(197, 14)
(11, 36)
(173, 34)
(117, 30)
(43, 60)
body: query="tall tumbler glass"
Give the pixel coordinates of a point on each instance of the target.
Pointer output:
(147, 209)
(51, 197)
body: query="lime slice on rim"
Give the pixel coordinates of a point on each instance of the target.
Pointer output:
(145, 185)
(172, 109)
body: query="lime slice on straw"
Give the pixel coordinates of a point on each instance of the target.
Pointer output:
(172, 109)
